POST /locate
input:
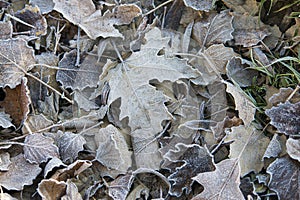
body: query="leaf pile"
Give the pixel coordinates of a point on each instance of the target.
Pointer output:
(126, 100)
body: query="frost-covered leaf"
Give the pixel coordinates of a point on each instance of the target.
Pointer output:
(53, 163)
(16, 102)
(38, 148)
(204, 5)
(6, 196)
(15, 59)
(71, 192)
(5, 30)
(85, 15)
(248, 30)
(51, 189)
(285, 117)
(36, 123)
(242, 6)
(45, 6)
(283, 95)
(120, 187)
(71, 76)
(195, 159)
(32, 16)
(140, 101)
(293, 148)
(217, 29)
(113, 151)
(69, 145)
(249, 146)
(19, 174)
(223, 183)
(276, 147)
(4, 161)
(5, 120)
(238, 71)
(285, 177)
(84, 99)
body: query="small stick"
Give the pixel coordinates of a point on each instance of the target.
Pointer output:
(19, 20)
(78, 48)
(161, 5)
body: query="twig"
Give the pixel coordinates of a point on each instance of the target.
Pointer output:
(78, 48)
(293, 93)
(159, 6)
(21, 21)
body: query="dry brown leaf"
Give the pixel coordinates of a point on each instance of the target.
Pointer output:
(71, 192)
(92, 21)
(249, 146)
(19, 174)
(243, 6)
(242, 103)
(38, 148)
(16, 58)
(283, 95)
(293, 148)
(16, 102)
(223, 183)
(52, 164)
(51, 189)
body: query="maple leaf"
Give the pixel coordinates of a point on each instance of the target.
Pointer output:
(223, 183)
(140, 101)
(285, 117)
(249, 146)
(285, 177)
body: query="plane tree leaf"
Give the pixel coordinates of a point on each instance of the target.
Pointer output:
(249, 146)
(195, 159)
(285, 117)
(285, 176)
(221, 183)
(16, 58)
(140, 101)
(38, 148)
(85, 15)
(19, 174)
(293, 148)
(69, 145)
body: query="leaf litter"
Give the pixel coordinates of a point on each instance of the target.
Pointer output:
(135, 100)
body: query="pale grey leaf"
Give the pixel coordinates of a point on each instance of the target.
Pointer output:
(5, 120)
(4, 161)
(204, 5)
(293, 148)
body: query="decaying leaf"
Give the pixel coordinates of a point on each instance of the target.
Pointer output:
(119, 188)
(285, 176)
(5, 120)
(293, 148)
(249, 146)
(141, 102)
(51, 189)
(71, 76)
(71, 192)
(199, 5)
(112, 149)
(53, 163)
(69, 145)
(36, 123)
(16, 58)
(285, 117)
(242, 103)
(217, 29)
(38, 148)
(243, 6)
(195, 159)
(4, 161)
(223, 183)
(283, 95)
(276, 146)
(92, 21)
(19, 174)
(16, 102)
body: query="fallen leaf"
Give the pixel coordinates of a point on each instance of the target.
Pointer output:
(19, 174)
(36, 123)
(293, 148)
(120, 187)
(45, 6)
(276, 147)
(16, 102)
(5, 30)
(16, 58)
(242, 103)
(51, 189)
(4, 161)
(6, 196)
(92, 21)
(52, 164)
(285, 175)
(195, 159)
(69, 145)
(202, 5)
(38, 148)
(222, 183)
(5, 120)
(112, 149)
(243, 6)
(249, 146)
(283, 95)
(84, 99)
(216, 29)
(285, 117)
(71, 192)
